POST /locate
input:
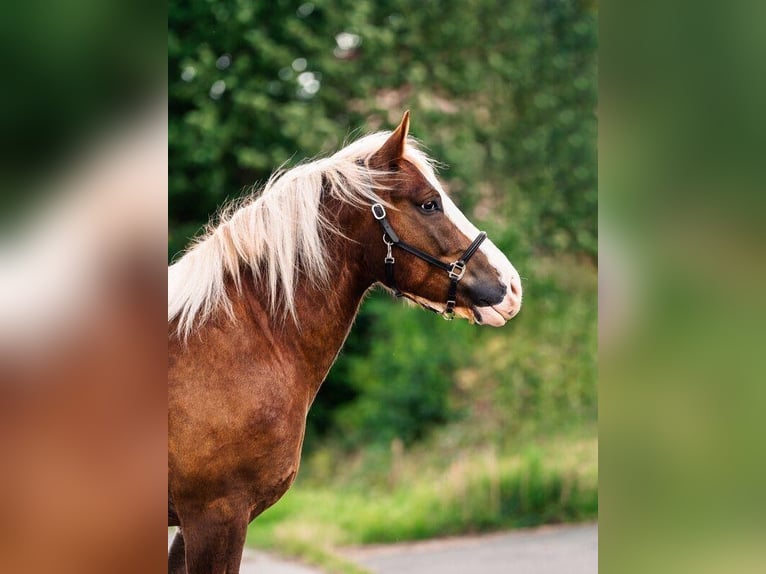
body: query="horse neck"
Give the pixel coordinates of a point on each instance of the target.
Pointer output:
(324, 316)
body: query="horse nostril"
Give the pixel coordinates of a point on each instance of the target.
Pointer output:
(516, 287)
(487, 294)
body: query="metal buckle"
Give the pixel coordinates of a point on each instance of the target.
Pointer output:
(378, 211)
(460, 267)
(389, 255)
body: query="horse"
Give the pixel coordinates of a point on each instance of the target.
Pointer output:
(260, 306)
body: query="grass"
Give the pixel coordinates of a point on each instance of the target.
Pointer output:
(424, 495)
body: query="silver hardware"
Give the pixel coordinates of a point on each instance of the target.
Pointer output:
(457, 270)
(378, 211)
(389, 255)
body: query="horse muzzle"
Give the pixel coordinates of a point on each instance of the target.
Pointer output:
(496, 312)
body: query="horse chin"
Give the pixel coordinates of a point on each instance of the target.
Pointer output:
(478, 315)
(488, 316)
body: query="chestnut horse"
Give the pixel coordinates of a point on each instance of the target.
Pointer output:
(259, 308)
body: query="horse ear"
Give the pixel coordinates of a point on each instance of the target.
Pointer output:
(393, 149)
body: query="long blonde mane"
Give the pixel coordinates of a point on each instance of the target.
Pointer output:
(276, 233)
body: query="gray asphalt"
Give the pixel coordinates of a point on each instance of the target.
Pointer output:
(569, 549)
(545, 550)
(255, 562)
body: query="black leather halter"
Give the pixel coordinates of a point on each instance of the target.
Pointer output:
(455, 270)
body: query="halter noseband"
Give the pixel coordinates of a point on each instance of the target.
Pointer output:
(455, 270)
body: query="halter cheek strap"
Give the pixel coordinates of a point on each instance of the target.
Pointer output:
(455, 270)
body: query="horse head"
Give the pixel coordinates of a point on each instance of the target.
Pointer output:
(426, 249)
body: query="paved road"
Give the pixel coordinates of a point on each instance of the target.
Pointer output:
(545, 550)
(254, 562)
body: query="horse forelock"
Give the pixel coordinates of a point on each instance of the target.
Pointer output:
(275, 232)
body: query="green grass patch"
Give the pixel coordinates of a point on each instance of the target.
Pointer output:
(547, 481)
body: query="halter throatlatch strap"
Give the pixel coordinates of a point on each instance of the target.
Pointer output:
(455, 270)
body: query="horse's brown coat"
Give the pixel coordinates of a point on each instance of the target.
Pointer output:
(239, 391)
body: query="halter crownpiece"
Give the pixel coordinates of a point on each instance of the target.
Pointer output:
(455, 270)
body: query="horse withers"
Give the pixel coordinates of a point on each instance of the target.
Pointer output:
(259, 308)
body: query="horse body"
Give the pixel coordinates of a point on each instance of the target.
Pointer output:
(240, 385)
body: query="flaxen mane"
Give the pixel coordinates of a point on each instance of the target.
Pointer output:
(276, 233)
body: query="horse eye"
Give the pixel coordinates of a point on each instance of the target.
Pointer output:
(430, 206)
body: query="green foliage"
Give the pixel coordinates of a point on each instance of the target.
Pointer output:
(503, 94)
(431, 492)
(402, 383)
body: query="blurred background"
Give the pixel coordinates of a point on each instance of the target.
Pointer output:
(423, 428)
(682, 137)
(83, 334)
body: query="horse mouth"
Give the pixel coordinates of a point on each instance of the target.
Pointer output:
(489, 316)
(485, 315)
